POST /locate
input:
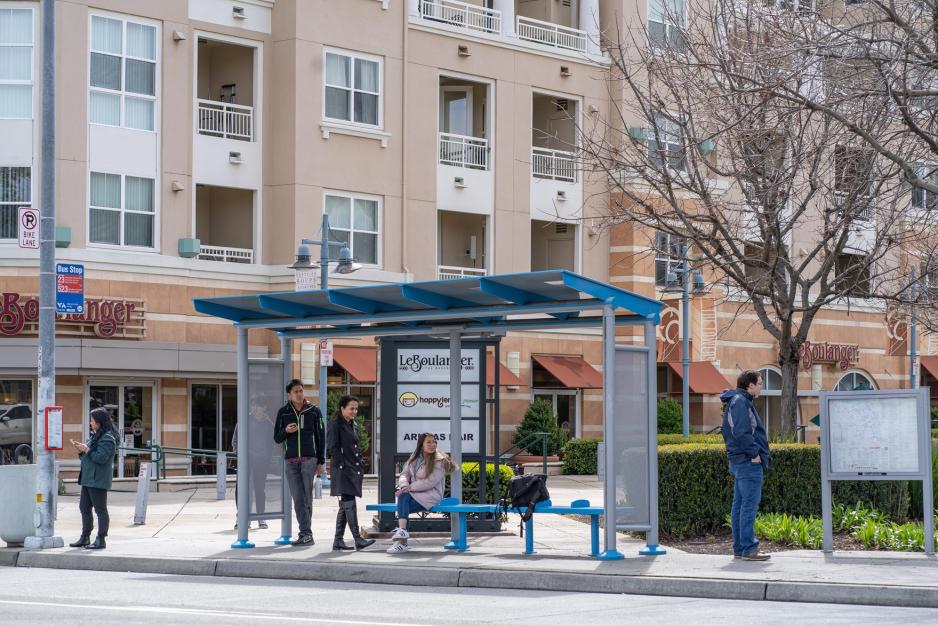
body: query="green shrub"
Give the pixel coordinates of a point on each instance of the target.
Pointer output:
(915, 486)
(674, 440)
(579, 456)
(670, 417)
(695, 489)
(470, 482)
(539, 418)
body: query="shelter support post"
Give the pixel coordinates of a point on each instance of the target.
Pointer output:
(286, 523)
(609, 424)
(455, 433)
(244, 473)
(651, 536)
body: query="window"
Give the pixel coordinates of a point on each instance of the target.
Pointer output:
(853, 181)
(666, 18)
(854, 381)
(353, 89)
(123, 73)
(921, 198)
(669, 252)
(852, 275)
(122, 210)
(16, 63)
(665, 143)
(354, 220)
(15, 192)
(16, 421)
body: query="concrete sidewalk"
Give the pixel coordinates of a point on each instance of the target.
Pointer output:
(189, 532)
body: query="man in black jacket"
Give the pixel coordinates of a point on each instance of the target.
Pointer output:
(299, 429)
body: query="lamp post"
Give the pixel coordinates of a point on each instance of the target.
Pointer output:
(684, 287)
(345, 265)
(914, 293)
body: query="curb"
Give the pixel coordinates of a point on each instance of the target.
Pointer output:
(484, 578)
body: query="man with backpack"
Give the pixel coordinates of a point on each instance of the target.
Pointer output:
(747, 447)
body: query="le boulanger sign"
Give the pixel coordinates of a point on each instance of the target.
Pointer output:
(842, 354)
(103, 317)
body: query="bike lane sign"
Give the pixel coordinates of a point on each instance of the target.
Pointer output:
(29, 228)
(69, 288)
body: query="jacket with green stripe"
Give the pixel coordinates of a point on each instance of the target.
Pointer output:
(309, 440)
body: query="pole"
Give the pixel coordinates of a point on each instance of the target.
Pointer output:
(45, 460)
(455, 432)
(323, 370)
(913, 332)
(244, 473)
(609, 433)
(685, 350)
(286, 523)
(651, 537)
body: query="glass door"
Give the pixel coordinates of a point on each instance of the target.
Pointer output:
(131, 410)
(456, 111)
(566, 408)
(214, 413)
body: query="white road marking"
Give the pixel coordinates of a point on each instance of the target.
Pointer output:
(204, 612)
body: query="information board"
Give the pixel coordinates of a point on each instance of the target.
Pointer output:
(69, 288)
(54, 428)
(877, 435)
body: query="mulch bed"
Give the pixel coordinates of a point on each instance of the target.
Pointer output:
(723, 544)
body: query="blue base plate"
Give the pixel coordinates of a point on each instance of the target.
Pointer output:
(452, 545)
(283, 541)
(652, 551)
(242, 544)
(610, 555)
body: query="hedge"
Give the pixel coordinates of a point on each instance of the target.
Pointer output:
(470, 481)
(667, 440)
(695, 489)
(579, 456)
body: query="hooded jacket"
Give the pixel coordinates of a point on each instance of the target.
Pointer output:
(309, 440)
(743, 432)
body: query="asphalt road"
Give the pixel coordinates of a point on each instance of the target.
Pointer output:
(38, 596)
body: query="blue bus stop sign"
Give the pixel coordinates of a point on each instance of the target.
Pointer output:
(69, 288)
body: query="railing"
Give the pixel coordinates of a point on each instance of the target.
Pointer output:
(227, 255)
(449, 272)
(221, 119)
(553, 164)
(550, 34)
(462, 151)
(863, 206)
(462, 15)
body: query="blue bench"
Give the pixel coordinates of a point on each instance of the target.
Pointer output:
(577, 507)
(448, 505)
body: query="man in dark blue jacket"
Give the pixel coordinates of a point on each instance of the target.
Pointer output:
(747, 447)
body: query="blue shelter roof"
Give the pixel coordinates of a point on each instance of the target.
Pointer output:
(475, 303)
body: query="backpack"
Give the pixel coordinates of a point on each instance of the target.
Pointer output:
(524, 492)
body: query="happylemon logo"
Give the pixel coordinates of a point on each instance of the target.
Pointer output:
(408, 399)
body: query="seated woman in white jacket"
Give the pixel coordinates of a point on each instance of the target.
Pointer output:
(419, 487)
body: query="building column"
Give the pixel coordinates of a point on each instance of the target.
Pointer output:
(507, 7)
(589, 22)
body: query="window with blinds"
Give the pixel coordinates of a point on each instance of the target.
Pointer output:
(16, 63)
(123, 73)
(15, 192)
(122, 210)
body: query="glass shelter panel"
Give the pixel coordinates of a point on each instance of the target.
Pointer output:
(630, 449)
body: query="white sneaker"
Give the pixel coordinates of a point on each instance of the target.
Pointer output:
(400, 533)
(398, 548)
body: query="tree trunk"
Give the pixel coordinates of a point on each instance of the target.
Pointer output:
(789, 361)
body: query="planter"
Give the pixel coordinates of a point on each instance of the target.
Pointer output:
(524, 459)
(17, 495)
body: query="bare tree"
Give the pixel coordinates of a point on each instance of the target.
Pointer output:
(785, 205)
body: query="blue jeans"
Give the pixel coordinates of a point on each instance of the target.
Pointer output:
(747, 493)
(407, 505)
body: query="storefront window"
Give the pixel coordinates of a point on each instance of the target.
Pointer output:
(854, 381)
(16, 421)
(341, 384)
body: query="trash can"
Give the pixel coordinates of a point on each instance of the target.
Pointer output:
(18, 495)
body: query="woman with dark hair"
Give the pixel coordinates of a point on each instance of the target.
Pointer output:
(97, 469)
(347, 473)
(419, 487)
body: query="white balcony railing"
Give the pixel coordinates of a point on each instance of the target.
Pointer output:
(462, 15)
(227, 255)
(450, 272)
(462, 151)
(221, 119)
(550, 34)
(864, 207)
(553, 164)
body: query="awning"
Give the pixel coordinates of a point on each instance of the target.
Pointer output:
(506, 377)
(360, 363)
(930, 364)
(704, 377)
(572, 371)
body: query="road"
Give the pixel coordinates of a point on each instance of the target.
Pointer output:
(38, 596)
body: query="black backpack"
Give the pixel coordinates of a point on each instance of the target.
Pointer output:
(524, 492)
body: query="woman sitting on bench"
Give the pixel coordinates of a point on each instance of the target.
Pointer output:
(419, 487)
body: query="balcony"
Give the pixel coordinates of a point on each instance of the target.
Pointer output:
(556, 192)
(550, 34)
(461, 245)
(448, 272)
(220, 119)
(462, 15)
(224, 224)
(553, 164)
(226, 255)
(463, 151)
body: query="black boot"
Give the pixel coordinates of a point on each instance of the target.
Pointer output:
(339, 542)
(98, 544)
(82, 541)
(351, 514)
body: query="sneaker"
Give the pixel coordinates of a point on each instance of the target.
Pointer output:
(737, 556)
(302, 540)
(756, 556)
(262, 525)
(400, 533)
(398, 548)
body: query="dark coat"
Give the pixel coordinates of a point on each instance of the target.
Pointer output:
(97, 464)
(309, 440)
(347, 468)
(743, 432)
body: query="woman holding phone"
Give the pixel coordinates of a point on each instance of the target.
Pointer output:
(97, 470)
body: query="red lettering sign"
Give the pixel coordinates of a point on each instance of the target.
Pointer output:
(842, 354)
(107, 316)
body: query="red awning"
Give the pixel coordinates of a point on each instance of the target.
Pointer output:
(360, 363)
(506, 378)
(572, 371)
(704, 377)
(930, 364)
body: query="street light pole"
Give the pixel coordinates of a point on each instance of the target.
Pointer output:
(685, 349)
(913, 331)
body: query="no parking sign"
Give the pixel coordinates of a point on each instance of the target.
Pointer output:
(29, 228)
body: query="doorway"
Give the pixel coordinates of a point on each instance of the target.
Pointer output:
(131, 408)
(213, 413)
(566, 408)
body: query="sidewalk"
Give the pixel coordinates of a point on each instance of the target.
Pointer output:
(189, 533)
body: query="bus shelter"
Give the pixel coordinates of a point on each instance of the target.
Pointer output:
(460, 310)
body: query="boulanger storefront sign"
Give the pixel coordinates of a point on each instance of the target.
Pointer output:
(844, 355)
(103, 317)
(431, 365)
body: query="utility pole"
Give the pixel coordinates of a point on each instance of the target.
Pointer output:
(45, 460)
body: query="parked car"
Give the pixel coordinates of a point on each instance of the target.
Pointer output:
(16, 424)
